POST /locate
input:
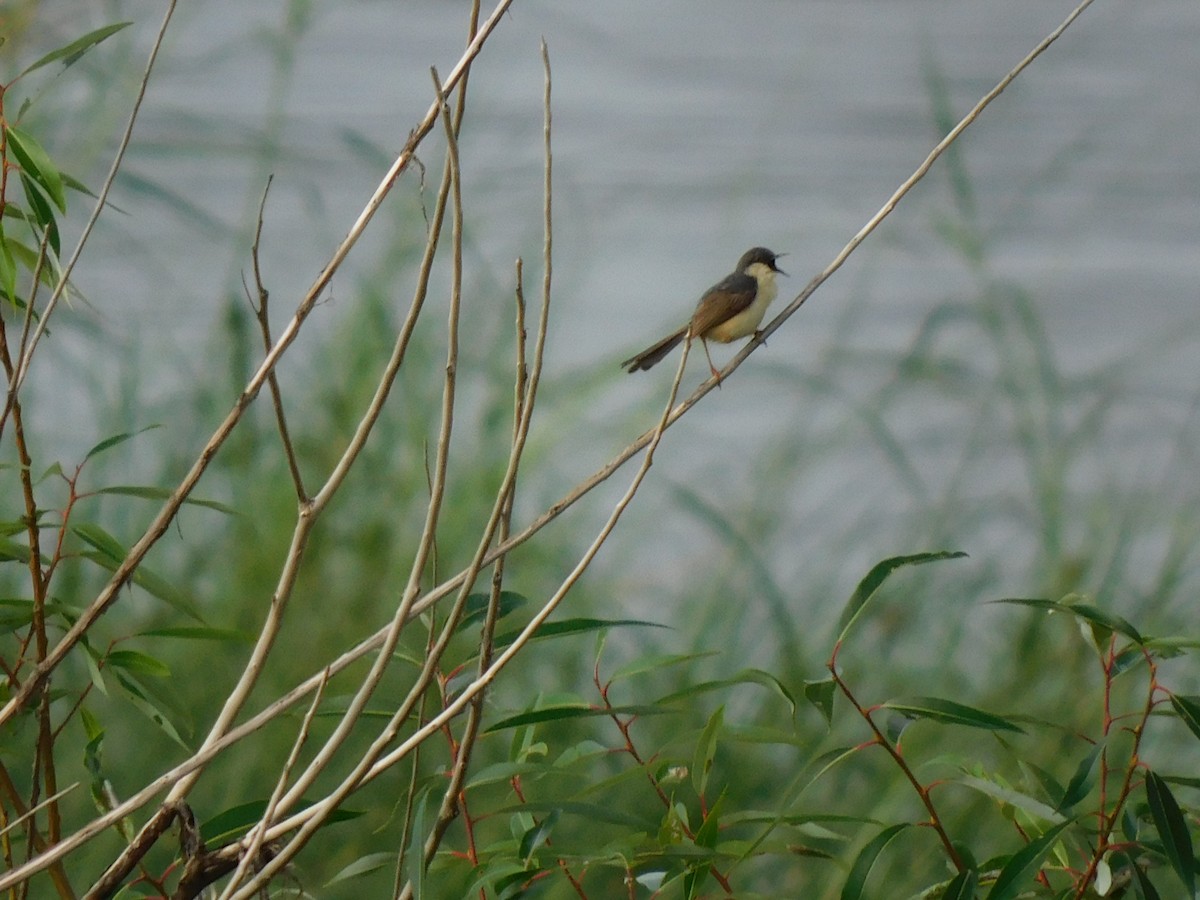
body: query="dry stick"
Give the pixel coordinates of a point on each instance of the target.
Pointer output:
(312, 510)
(523, 398)
(256, 833)
(26, 352)
(318, 503)
(437, 489)
(322, 809)
(449, 810)
(285, 702)
(167, 514)
(312, 817)
(264, 326)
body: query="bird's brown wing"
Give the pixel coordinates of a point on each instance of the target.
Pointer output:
(723, 301)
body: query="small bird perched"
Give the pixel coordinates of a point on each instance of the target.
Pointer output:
(731, 309)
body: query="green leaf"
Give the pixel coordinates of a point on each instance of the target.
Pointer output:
(8, 268)
(962, 886)
(1188, 710)
(874, 580)
(1081, 782)
(591, 812)
(138, 663)
(140, 699)
(710, 828)
(415, 857)
(582, 711)
(532, 839)
(951, 713)
(576, 626)
(820, 694)
(364, 865)
(644, 664)
(72, 51)
(476, 608)
(11, 551)
(706, 750)
(745, 676)
(1021, 867)
(201, 633)
(1007, 795)
(109, 442)
(706, 838)
(148, 492)
(856, 881)
(1084, 611)
(44, 217)
(36, 163)
(1173, 830)
(234, 822)
(1149, 892)
(93, 534)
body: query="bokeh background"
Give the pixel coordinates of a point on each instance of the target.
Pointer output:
(1009, 367)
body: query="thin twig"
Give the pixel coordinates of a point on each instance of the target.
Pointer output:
(250, 856)
(264, 326)
(322, 809)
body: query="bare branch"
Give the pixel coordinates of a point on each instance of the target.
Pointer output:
(264, 326)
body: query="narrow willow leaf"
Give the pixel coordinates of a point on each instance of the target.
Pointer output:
(706, 750)
(232, 823)
(364, 865)
(110, 442)
(1081, 782)
(644, 664)
(856, 881)
(72, 51)
(1149, 891)
(874, 580)
(43, 214)
(415, 858)
(820, 694)
(576, 626)
(151, 710)
(1085, 611)
(150, 492)
(1024, 802)
(477, 604)
(951, 713)
(97, 537)
(536, 836)
(1188, 710)
(1173, 830)
(1021, 867)
(8, 268)
(962, 886)
(138, 663)
(557, 713)
(745, 676)
(200, 633)
(36, 163)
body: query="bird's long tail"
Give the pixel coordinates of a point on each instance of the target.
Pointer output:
(654, 353)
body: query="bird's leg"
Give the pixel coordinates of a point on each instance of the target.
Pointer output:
(711, 367)
(758, 336)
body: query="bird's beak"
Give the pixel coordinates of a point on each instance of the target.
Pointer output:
(778, 256)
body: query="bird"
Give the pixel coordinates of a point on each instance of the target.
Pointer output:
(732, 308)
